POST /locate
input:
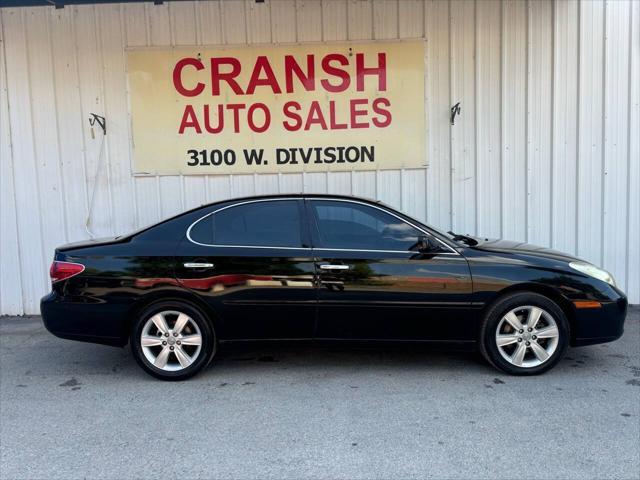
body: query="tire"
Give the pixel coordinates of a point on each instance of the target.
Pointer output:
(179, 341)
(505, 334)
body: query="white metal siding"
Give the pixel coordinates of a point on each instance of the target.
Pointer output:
(546, 149)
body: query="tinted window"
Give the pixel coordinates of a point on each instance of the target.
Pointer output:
(272, 224)
(352, 225)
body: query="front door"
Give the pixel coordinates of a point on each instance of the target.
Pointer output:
(250, 262)
(375, 284)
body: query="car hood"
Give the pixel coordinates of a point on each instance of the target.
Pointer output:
(510, 246)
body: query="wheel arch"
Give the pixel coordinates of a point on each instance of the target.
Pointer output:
(168, 296)
(544, 290)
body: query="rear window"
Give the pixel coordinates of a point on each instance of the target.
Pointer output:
(275, 223)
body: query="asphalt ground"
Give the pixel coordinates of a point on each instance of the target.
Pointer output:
(73, 410)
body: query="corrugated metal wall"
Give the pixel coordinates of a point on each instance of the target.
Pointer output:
(546, 149)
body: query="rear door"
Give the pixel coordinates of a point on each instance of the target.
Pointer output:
(374, 284)
(252, 264)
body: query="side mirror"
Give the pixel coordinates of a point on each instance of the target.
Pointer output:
(427, 244)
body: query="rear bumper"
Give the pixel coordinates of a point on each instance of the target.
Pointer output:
(78, 319)
(600, 325)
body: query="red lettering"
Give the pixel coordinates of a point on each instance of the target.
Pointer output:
(207, 122)
(262, 63)
(189, 120)
(177, 77)
(383, 112)
(355, 112)
(217, 76)
(267, 117)
(293, 116)
(336, 72)
(332, 118)
(315, 116)
(308, 80)
(380, 71)
(236, 107)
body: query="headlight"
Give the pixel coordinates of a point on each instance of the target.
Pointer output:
(593, 271)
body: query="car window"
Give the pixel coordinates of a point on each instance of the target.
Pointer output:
(271, 224)
(356, 226)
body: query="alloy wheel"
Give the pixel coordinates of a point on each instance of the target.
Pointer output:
(171, 340)
(527, 336)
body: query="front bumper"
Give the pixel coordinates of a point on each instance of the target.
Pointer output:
(600, 325)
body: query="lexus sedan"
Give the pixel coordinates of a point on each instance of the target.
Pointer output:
(324, 267)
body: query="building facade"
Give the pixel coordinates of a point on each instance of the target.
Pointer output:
(545, 149)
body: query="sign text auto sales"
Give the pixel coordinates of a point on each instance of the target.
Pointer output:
(278, 109)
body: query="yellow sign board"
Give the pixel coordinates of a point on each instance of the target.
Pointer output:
(265, 109)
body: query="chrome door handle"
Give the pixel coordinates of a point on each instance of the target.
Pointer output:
(198, 265)
(334, 267)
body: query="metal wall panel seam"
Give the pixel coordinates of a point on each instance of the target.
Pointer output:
(604, 127)
(629, 133)
(476, 119)
(527, 37)
(633, 244)
(131, 184)
(551, 121)
(57, 131)
(501, 141)
(107, 149)
(81, 120)
(40, 240)
(19, 294)
(450, 65)
(134, 188)
(577, 120)
(426, 112)
(501, 133)
(398, 19)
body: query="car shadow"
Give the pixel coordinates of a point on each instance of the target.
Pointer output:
(53, 356)
(344, 355)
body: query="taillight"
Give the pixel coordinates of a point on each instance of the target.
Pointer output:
(63, 270)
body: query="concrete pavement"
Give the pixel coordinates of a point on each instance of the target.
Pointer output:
(74, 410)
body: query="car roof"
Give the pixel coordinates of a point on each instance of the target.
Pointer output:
(249, 198)
(276, 196)
(294, 195)
(260, 197)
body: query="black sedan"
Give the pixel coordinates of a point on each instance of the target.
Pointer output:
(300, 267)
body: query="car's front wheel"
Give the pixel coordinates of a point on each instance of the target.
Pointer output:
(172, 340)
(524, 334)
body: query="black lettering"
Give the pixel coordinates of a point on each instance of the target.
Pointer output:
(193, 155)
(282, 152)
(306, 154)
(204, 160)
(216, 157)
(352, 158)
(293, 156)
(368, 152)
(229, 157)
(253, 156)
(330, 155)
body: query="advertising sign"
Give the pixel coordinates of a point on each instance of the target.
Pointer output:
(265, 109)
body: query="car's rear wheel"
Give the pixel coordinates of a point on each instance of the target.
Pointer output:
(172, 340)
(524, 333)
